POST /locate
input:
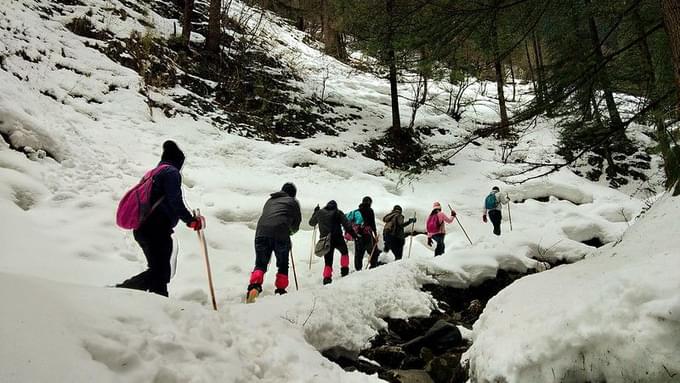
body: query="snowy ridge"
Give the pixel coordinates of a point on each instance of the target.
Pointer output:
(613, 317)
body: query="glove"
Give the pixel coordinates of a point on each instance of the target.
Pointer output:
(484, 218)
(411, 221)
(429, 241)
(453, 213)
(196, 224)
(316, 208)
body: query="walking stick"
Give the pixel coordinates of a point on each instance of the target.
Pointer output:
(410, 241)
(311, 251)
(509, 215)
(204, 249)
(292, 261)
(375, 244)
(461, 226)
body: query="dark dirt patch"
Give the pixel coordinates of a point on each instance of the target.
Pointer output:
(594, 242)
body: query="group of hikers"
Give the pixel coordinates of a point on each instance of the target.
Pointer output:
(159, 212)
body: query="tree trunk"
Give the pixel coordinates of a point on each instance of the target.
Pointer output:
(647, 64)
(499, 76)
(514, 81)
(425, 72)
(671, 151)
(186, 23)
(333, 41)
(603, 78)
(392, 63)
(531, 69)
(540, 71)
(212, 41)
(671, 18)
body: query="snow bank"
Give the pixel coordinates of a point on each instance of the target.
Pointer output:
(613, 317)
(66, 333)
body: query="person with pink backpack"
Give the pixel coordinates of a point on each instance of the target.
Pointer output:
(152, 209)
(436, 227)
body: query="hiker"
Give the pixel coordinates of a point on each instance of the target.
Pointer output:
(154, 235)
(331, 221)
(436, 228)
(363, 224)
(279, 220)
(393, 232)
(492, 206)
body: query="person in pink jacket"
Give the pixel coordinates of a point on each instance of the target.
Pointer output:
(436, 228)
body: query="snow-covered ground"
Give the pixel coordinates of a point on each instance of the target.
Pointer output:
(614, 317)
(93, 137)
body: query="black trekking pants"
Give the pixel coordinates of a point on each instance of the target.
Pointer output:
(338, 244)
(264, 246)
(439, 239)
(156, 243)
(495, 216)
(397, 247)
(362, 245)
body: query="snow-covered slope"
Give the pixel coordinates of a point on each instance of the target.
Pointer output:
(614, 317)
(92, 135)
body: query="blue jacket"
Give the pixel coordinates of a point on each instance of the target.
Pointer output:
(168, 184)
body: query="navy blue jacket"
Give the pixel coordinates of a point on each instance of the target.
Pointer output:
(168, 184)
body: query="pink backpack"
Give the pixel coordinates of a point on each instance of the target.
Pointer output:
(433, 224)
(135, 206)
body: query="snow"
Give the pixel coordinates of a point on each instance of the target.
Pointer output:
(60, 246)
(612, 317)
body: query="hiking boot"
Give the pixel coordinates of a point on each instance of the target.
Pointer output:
(327, 281)
(280, 291)
(254, 290)
(252, 295)
(344, 271)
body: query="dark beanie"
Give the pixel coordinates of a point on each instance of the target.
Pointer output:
(172, 154)
(289, 188)
(331, 205)
(397, 207)
(367, 200)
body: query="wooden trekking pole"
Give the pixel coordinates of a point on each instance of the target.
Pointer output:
(461, 226)
(311, 251)
(292, 262)
(410, 241)
(370, 255)
(509, 215)
(204, 249)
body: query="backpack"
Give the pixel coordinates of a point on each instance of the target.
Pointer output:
(357, 221)
(433, 223)
(390, 223)
(135, 206)
(355, 217)
(490, 202)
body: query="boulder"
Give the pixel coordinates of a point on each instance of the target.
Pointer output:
(439, 338)
(446, 368)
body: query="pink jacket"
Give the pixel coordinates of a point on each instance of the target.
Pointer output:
(442, 217)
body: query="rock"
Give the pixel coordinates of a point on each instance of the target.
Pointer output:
(343, 357)
(440, 337)
(413, 362)
(412, 376)
(446, 369)
(473, 311)
(387, 356)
